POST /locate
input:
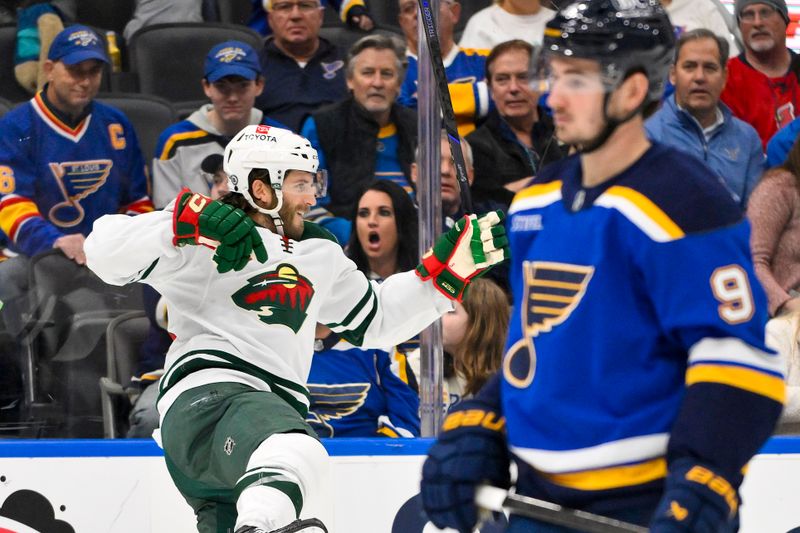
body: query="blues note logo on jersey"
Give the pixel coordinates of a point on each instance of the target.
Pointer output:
(332, 402)
(552, 291)
(76, 180)
(331, 69)
(278, 297)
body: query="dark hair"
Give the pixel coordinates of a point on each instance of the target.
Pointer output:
(502, 48)
(703, 33)
(405, 218)
(377, 42)
(238, 200)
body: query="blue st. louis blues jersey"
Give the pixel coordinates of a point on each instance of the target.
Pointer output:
(465, 69)
(354, 393)
(638, 331)
(58, 179)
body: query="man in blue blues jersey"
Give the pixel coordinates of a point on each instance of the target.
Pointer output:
(636, 382)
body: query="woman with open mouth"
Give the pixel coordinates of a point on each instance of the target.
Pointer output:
(385, 238)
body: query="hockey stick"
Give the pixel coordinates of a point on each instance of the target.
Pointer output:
(496, 499)
(448, 116)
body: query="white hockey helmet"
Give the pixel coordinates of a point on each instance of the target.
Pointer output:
(274, 149)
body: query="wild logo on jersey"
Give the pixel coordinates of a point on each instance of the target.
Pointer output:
(279, 297)
(332, 402)
(552, 291)
(76, 180)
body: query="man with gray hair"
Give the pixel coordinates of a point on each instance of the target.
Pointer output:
(694, 120)
(367, 135)
(762, 87)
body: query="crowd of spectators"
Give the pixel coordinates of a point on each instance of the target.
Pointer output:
(66, 158)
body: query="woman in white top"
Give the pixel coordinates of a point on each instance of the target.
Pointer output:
(504, 20)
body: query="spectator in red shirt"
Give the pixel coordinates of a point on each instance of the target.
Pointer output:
(762, 86)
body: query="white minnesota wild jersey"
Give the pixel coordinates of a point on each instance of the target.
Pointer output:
(256, 326)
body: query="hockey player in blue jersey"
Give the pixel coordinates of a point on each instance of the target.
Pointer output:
(636, 383)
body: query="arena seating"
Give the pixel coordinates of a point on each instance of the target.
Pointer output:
(168, 58)
(9, 88)
(150, 115)
(124, 336)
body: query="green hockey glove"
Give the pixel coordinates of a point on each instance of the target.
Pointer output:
(472, 246)
(198, 219)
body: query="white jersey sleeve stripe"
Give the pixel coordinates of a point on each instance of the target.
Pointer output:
(613, 453)
(735, 352)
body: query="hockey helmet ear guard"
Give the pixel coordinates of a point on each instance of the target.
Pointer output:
(623, 36)
(275, 150)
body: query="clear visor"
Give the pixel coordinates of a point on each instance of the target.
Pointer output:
(568, 75)
(309, 183)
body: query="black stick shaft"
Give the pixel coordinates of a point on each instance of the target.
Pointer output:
(552, 513)
(448, 116)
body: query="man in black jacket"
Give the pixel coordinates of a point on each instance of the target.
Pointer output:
(368, 135)
(302, 71)
(517, 138)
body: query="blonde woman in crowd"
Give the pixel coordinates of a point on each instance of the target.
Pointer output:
(473, 335)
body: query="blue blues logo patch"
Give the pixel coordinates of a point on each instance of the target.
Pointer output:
(330, 69)
(332, 402)
(552, 292)
(76, 180)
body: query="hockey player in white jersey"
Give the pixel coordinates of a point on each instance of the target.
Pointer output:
(233, 398)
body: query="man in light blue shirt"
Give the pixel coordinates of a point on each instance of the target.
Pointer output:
(695, 121)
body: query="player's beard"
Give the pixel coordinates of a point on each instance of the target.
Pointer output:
(292, 221)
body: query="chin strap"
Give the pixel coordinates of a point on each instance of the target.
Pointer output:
(278, 224)
(611, 124)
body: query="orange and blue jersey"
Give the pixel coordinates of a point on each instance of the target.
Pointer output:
(465, 70)
(58, 179)
(638, 332)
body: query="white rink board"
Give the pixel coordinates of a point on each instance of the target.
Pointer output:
(124, 487)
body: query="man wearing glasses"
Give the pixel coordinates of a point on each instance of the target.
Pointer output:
(302, 70)
(762, 87)
(354, 13)
(232, 81)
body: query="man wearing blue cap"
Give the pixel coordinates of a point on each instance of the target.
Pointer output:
(232, 81)
(65, 161)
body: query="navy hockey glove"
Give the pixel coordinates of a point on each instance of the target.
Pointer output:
(696, 500)
(471, 450)
(197, 218)
(472, 246)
